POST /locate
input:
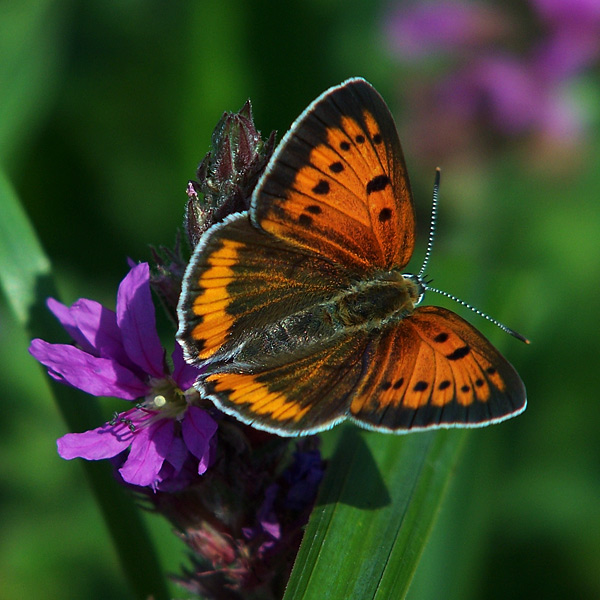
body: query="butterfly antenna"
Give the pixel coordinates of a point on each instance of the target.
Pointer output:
(480, 313)
(432, 223)
(425, 283)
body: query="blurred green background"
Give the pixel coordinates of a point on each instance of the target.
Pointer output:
(106, 110)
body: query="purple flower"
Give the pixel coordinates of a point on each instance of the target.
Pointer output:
(303, 478)
(120, 354)
(267, 527)
(501, 87)
(295, 493)
(560, 13)
(482, 79)
(514, 96)
(572, 42)
(421, 30)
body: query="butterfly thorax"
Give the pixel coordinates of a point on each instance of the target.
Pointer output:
(383, 297)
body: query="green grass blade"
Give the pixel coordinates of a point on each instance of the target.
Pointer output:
(22, 261)
(375, 511)
(26, 279)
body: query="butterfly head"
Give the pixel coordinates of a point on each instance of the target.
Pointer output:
(419, 286)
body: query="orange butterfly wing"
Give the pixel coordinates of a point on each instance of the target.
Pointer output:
(298, 394)
(435, 370)
(337, 183)
(273, 302)
(244, 289)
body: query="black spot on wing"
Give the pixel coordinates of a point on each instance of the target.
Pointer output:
(420, 386)
(386, 385)
(321, 188)
(459, 353)
(385, 214)
(378, 183)
(305, 220)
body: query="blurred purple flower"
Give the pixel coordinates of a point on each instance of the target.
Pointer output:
(267, 525)
(498, 86)
(120, 354)
(432, 28)
(516, 94)
(572, 42)
(560, 13)
(294, 494)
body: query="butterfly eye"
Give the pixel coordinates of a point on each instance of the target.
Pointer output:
(420, 286)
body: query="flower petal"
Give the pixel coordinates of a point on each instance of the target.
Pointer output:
(149, 448)
(197, 428)
(96, 376)
(103, 442)
(65, 318)
(98, 325)
(178, 453)
(136, 319)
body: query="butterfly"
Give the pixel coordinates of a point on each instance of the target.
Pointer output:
(298, 311)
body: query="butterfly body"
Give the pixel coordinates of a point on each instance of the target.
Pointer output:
(384, 298)
(298, 311)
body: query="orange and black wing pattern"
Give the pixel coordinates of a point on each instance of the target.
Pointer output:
(298, 313)
(434, 369)
(337, 184)
(298, 394)
(246, 289)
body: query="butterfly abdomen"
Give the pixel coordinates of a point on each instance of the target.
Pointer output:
(292, 335)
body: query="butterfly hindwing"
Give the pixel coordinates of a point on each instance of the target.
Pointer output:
(297, 395)
(337, 183)
(434, 369)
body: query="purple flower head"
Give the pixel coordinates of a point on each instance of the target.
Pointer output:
(284, 501)
(499, 86)
(572, 42)
(119, 354)
(303, 478)
(559, 13)
(442, 26)
(495, 74)
(513, 96)
(267, 527)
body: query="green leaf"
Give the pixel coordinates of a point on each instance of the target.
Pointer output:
(26, 279)
(376, 509)
(22, 259)
(32, 43)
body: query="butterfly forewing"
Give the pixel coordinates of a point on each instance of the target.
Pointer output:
(245, 288)
(337, 183)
